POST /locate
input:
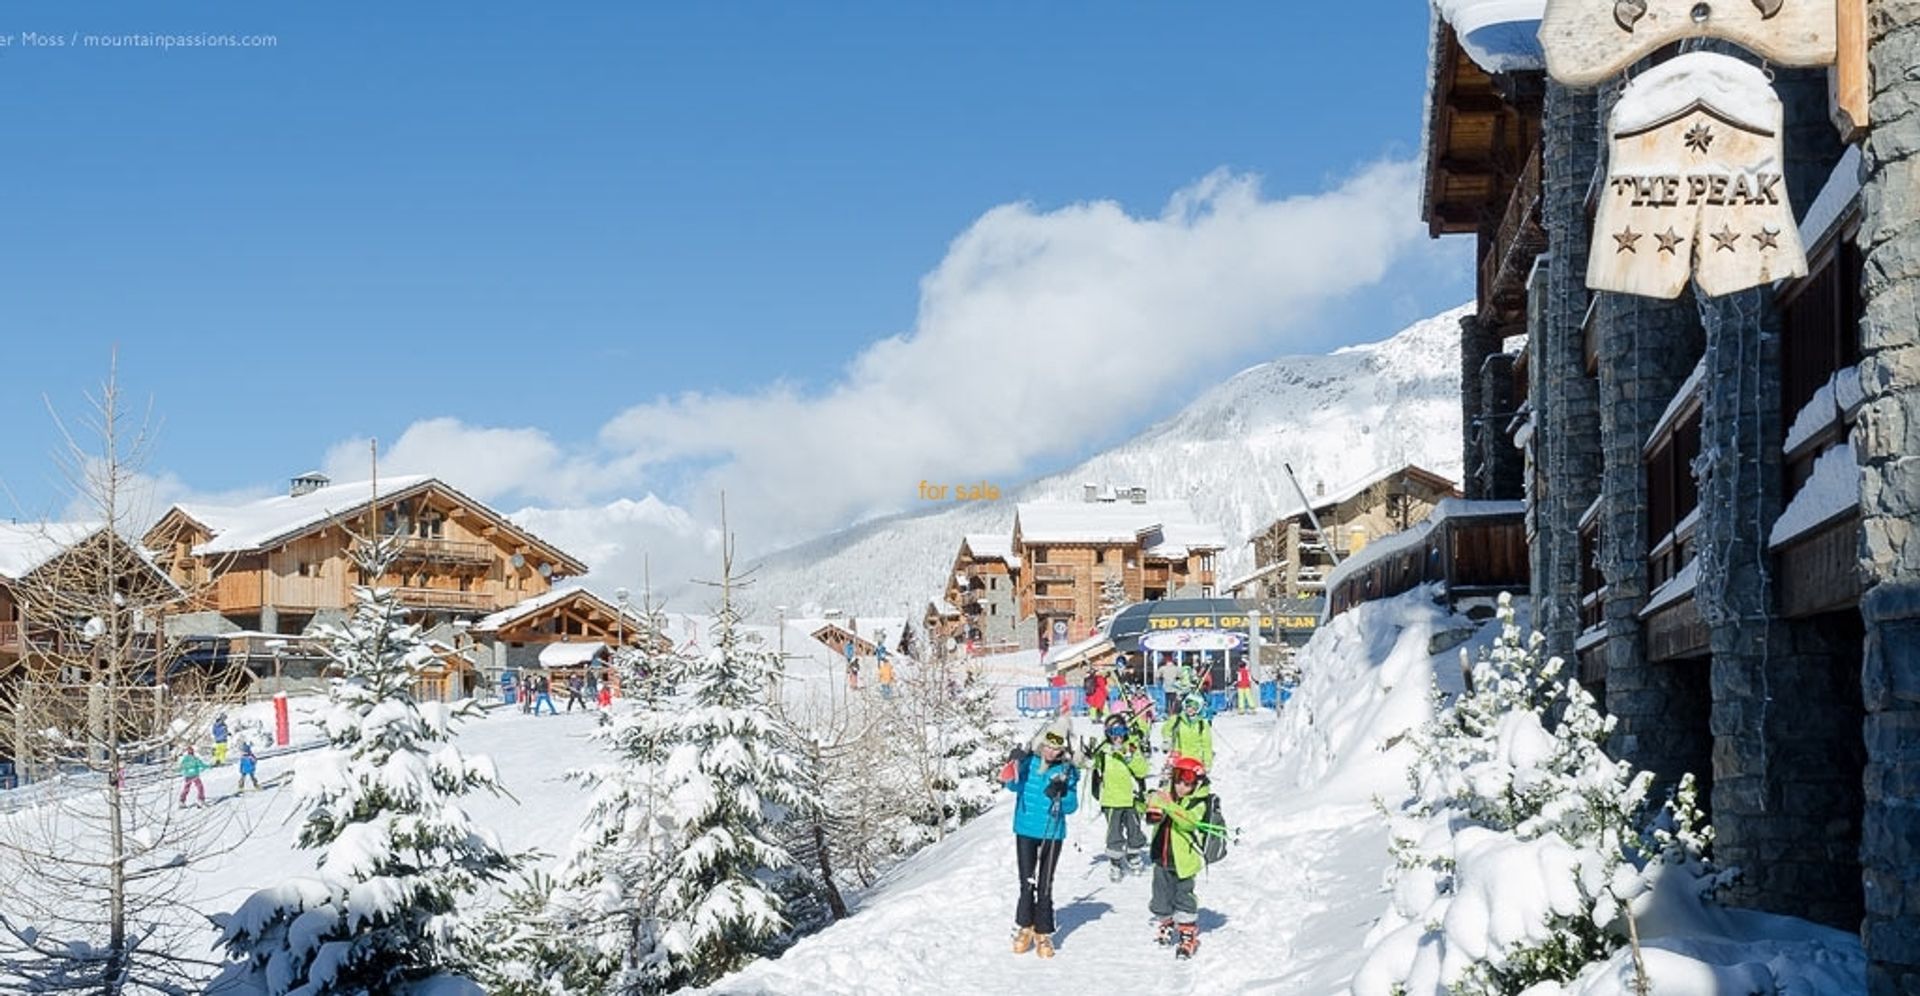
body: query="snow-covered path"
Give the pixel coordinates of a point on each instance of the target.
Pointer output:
(1283, 914)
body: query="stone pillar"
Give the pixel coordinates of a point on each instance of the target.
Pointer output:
(1647, 350)
(1500, 464)
(1569, 398)
(1887, 442)
(1478, 340)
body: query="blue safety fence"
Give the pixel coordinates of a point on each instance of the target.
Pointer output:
(1046, 700)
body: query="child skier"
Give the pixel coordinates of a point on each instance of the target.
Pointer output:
(1189, 733)
(190, 768)
(248, 766)
(1176, 813)
(1044, 783)
(1245, 702)
(1120, 772)
(220, 739)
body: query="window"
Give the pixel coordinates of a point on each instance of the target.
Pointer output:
(1820, 319)
(1672, 495)
(1099, 556)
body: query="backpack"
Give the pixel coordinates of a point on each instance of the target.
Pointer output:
(1213, 843)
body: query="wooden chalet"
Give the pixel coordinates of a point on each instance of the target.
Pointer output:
(1292, 558)
(1474, 550)
(1068, 551)
(274, 566)
(567, 629)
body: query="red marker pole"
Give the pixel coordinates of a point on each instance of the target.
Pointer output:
(281, 732)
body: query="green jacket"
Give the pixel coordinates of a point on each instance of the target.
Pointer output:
(1119, 773)
(191, 766)
(1189, 738)
(1176, 837)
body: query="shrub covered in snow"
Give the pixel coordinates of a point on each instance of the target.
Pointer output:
(398, 856)
(1524, 845)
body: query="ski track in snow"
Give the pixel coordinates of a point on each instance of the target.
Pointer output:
(1284, 913)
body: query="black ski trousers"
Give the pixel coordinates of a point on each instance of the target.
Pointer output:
(1038, 859)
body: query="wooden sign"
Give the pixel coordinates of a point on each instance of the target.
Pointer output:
(1588, 41)
(1694, 184)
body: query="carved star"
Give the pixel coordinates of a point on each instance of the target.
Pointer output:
(1726, 238)
(1670, 240)
(1769, 238)
(1626, 239)
(1699, 137)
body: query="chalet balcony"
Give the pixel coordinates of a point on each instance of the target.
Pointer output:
(1053, 572)
(443, 598)
(1053, 605)
(441, 551)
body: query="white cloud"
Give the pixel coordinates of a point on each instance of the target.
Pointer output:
(1041, 331)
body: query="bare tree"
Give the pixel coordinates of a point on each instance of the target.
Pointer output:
(92, 887)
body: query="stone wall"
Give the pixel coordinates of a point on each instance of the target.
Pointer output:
(1478, 340)
(1887, 441)
(1500, 469)
(1568, 421)
(1647, 349)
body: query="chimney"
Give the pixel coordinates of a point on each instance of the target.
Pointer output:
(308, 483)
(1090, 492)
(1319, 489)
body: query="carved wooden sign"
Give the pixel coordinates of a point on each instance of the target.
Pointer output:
(1694, 184)
(1587, 41)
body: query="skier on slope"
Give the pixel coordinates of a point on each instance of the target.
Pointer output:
(1188, 732)
(1120, 780)
(1044, 783)
(190, 768)
(1176, 812)
(1245, 701)
(1097, 693)
(249, 766)
(220, 736)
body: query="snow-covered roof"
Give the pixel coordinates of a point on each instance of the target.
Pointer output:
(1117, 522)
(1353, 488)
(514, 613)
(1255, 575)
(271, 521)
(25, 547)
(570, 654)
(991, 546)
(1406, 539)
(1498, 35)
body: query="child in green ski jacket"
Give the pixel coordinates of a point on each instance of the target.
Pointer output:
(1177, 813)
(1120, 769)
(1188, 733)
(190, 768)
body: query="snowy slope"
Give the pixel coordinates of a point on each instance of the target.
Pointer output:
(1335, 418)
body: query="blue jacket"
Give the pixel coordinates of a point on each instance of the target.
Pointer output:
(1035, 815)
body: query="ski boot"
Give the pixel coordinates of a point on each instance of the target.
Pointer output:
(1165, 935)
(1023, 940)
(1043, 945)
(1189, 941)
(1116, 868)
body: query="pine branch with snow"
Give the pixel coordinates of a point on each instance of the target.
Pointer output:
(1525, 846)
(398, 856)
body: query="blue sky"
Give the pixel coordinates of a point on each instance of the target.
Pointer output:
(537, 217)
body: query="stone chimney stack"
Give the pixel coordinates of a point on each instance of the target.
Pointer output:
(308, 483)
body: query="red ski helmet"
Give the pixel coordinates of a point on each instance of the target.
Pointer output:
(1187, 769)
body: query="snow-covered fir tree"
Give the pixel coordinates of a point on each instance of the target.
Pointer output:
(727, 781)
(1525, 847)
(1113, 595)
(398, 855)
(974, 741)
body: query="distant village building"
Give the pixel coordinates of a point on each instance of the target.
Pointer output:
(277, 566)
(568, 629)
(984, 588)
(1719, 490)
(1068, 550)
(1292, 558)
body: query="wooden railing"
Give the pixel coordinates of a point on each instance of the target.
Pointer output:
(1053, 604)
(450, 551)
(440, 598)
(1053, 572)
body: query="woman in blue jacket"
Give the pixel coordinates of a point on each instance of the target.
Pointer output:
(1044, 784)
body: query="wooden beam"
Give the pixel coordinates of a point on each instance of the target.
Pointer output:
(1849, 81)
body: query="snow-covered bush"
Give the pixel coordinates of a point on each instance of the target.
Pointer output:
(398, 856)
(1524, 844)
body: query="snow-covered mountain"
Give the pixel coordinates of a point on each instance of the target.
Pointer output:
(1335, 418)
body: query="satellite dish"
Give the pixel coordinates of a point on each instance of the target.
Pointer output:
(517, 560)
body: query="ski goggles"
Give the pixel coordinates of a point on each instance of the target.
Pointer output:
(1054, 740)
(1186, 778)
